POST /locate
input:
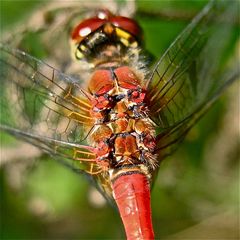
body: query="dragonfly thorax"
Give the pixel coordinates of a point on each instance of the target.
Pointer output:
(123, 134)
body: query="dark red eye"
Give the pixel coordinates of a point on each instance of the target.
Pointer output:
(104, 16)
(91, 24)
(127, 24)
(86, 27)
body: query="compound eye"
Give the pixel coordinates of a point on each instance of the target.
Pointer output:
(85, 28)
(128, 25)
(90, 25)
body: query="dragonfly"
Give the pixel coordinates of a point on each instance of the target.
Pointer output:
(99, 110)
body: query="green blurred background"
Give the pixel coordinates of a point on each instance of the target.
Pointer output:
(196, 194)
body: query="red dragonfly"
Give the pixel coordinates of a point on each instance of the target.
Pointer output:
(108, 116)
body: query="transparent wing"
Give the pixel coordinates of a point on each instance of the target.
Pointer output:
(193, 72)
(80, 158)
(42, 105)
(37, 98)
(48, 109)
(169, 139)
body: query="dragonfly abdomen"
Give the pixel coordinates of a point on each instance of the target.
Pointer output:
(132, 195)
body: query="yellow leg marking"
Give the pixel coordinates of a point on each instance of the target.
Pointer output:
(76, 100)
(79, 117)
(93, 173)
(87, 153)
(84, 103)
(85, 160)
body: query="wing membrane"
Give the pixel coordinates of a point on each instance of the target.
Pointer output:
(169, 139)
(193, 72)
(48, 109)
(38, 99)
(80, 158)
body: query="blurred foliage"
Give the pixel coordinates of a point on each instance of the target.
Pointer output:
(43, 200)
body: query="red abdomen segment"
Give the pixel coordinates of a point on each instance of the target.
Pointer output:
(132, 195)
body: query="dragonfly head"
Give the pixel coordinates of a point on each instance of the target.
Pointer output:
(96, 34)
